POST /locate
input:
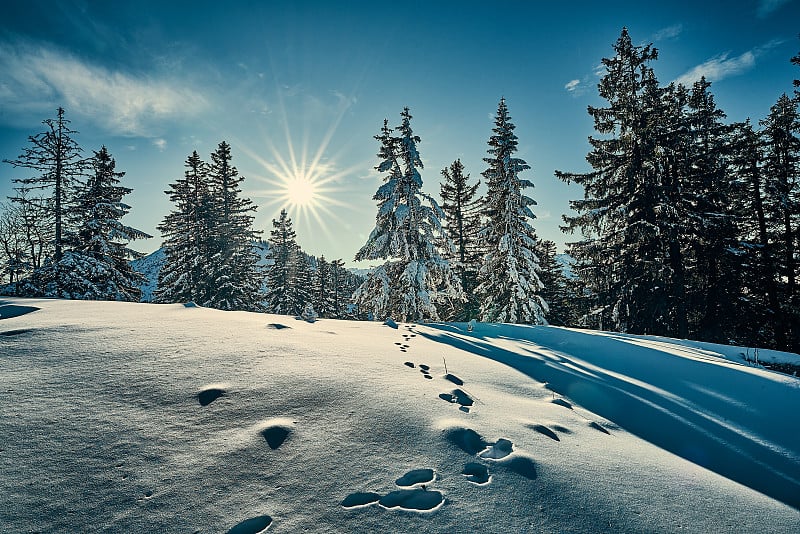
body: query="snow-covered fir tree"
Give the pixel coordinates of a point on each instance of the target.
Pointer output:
(186, 231)
(415, 278)
(461, 207)
(301, 290)
(781, 169)
(626, 213)
(57, 159)
(713, 244)
(282, 249)
(235, 277)
(556, 291)
(509, 283)
(97, 265)
(323, 290)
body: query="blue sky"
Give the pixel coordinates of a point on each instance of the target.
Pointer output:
(302, 87)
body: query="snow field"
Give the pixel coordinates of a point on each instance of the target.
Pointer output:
(137, 417)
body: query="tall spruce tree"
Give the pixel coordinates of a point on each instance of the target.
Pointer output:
(781, 145)
(97, 265)
(186, 231)
(235, 278)
(623, 257)
(415, 278)
(556, 291)
(509, 283)
(766, 325)
(712, 233)
(461, 208)
(282, 246)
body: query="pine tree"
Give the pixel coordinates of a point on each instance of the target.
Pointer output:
(712, 231)
(509, 277)
(766, 325)
(323, 289)
(341, 289)
(186, 232)
(300, 284)
(462, 223)
(626, 216)
(282, 246)
(235, 278)
(781, 142)
(58, 161)
(97, 265)
(556, 291)
(416, 278)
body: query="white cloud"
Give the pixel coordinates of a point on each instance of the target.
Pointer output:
(670, 32)
(160, 144)
(37, 78)
(767, 7)
(572, 85)
(719, 67)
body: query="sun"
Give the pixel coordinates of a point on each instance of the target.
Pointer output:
(301, 192)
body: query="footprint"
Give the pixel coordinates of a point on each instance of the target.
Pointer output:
(254, 525)
(477, 473)
(454, 379)
(424, 372)
(398, 343)
(499, 450)
(521, 465)
(562, 402)
(457, 396)
(416, 476)
(562, 429)
(541, 429)
(276, 435)
(597, 426)
(425, 367)
(466, 439)
(360, 499)
(207, 396)
(409, 364)
(414, 500)
(277, 326)
(429, 377)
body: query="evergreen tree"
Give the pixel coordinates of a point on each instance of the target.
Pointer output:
(300, 284)
(340, 289)
(462, 223)
(186, 232)
(416, 278)
(323, 289)
(509, 277)
(713, 233)
(626, 216)
(781, 142)
(282, 246)
(766, 325)
(556, 291)
(97, 266)
(57, 159)
(235, 278)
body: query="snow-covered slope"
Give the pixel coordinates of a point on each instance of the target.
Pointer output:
(125, 417)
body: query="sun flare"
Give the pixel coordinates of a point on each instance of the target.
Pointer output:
(301, 192)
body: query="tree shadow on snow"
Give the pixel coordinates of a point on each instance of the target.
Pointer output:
(590, 369)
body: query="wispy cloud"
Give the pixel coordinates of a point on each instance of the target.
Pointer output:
(767, 7)
(572, 85)
(724, 66)
(160, 144)
(670, 32)
(36, 78)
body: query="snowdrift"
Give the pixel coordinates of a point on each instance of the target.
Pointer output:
(126, 417)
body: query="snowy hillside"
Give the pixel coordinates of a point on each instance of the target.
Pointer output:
(121, 417)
